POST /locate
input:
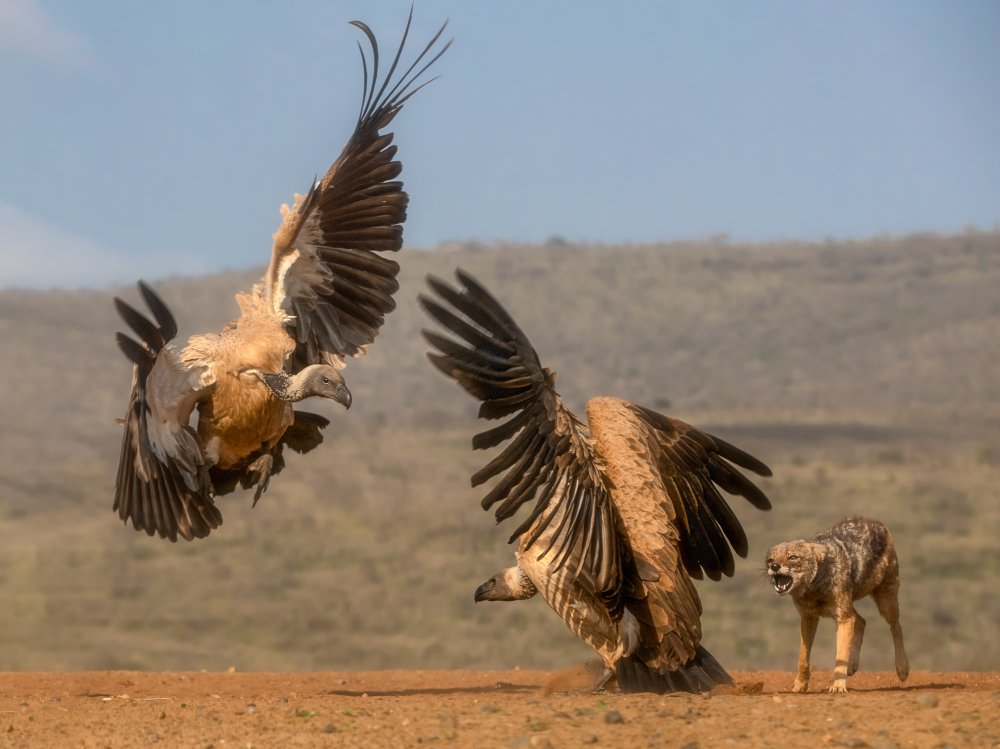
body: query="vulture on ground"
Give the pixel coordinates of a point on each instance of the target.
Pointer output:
(323, 298)
(627, 507)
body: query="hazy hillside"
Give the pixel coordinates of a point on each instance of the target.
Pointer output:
(865, 373)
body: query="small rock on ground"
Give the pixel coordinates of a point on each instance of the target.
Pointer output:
(927, 700)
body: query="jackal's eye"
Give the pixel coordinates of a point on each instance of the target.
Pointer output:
(793, 557)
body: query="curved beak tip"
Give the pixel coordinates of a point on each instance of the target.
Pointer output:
(480, 592)
(344, 398)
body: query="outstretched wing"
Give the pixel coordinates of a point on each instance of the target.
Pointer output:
(325, 273)
(548, 458)
(162, 484)
(692, 464)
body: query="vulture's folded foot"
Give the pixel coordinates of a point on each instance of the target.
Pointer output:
(261, 472)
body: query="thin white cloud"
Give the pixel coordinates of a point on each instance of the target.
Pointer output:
(36, 254)
(29, 31)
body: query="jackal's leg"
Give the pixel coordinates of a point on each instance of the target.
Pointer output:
(845, 639)
(886, 597)
(807, 628)
(859, 636)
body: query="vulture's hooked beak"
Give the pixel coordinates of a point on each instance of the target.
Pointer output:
(482, 590)
(343, 396)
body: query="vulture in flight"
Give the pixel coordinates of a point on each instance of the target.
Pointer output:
(627, 508)
(323, 298)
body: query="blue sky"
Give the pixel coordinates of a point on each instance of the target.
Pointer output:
(158, 138)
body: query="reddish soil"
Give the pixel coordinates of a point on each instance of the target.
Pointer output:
(487, 709)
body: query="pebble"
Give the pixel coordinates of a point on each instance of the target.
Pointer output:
(854, 743)
(882, 741)
(588, 738)
(487, 708)
(540, 742)
(329, 728)
(613, 716)
(927, 699)
(690, 745)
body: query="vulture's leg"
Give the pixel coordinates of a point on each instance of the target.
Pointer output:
(261, 471)
(602, 681)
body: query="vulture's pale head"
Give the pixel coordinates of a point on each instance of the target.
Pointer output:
(507, 585)
(326, 382)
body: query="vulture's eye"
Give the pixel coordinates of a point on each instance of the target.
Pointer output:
(326, 380)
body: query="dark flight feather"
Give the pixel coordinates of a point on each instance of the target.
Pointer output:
(355, 211)
(499, 367)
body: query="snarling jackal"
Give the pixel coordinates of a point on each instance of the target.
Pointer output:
(826, 575)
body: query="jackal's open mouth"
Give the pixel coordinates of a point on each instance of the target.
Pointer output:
(782, 583)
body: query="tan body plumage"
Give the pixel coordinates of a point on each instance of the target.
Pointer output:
(241, 414)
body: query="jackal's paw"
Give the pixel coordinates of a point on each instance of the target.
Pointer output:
(902, 668)
(801, 685)
(839, 686)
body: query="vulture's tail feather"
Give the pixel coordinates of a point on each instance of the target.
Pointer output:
(701, 674)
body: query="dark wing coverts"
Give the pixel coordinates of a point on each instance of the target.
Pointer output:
(548, 456)
(691, 463)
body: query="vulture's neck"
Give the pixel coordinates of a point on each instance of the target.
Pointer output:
(518, 584)
(285, 387)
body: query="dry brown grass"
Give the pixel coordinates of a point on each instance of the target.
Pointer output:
(864, 373)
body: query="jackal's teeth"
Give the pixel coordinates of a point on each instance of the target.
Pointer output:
(782, 583)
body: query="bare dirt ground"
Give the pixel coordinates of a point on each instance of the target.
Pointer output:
(487, 709)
